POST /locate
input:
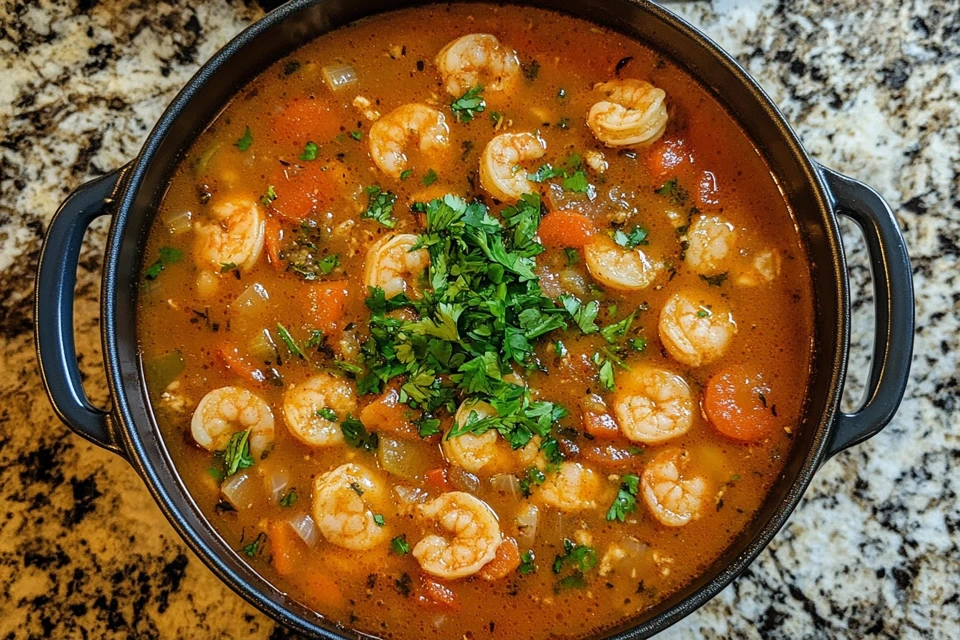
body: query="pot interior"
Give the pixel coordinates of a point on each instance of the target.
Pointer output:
(298, 22)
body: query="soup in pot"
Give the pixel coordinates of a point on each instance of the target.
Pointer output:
(496, 328)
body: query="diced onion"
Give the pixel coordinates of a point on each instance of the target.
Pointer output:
(177, 222)
(573, 282)
(306, 528)
(410, 495)
(165, 369)
(402, 457)
(527, 520)
(239, 490)
(252, 300)
(464, 480)
(506, 483)
(277, 481)
(262, 346)
(339, 76)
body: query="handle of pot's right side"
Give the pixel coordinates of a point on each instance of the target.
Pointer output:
(893, 297)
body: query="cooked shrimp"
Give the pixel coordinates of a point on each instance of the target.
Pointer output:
(673, 497)
(476, 536)
(573, 487)
(692, 332)
(652, 405)
(710, 243)
(227, 410)
(634, 113)
(763, 269)
(477, 59)
(619, 268)
(344, 501)
(389, 136)
(501, 172)
(234, 237)
(487, 453)
(303, 403)
(392, 266)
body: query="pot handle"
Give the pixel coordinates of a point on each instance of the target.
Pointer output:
(53, 312)
(893, 297)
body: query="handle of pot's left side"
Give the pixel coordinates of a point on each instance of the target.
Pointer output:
(53, 312)
(894, 310)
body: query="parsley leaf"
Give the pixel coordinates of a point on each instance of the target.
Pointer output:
(672, 190)
(290, 342)
(714, 280)
(244, 142)
(469, 104)
(328, 263)
(227, 267)
(582, 558)
(356, 435)
(356, 135)
(605, 373)
(309, 151)
(582, 314)
(630, 240)
(289, 499)
(527, 565)
(253, 549)
(168, 256)
(626, 500)
(406, 173)
(429, 178)
(576, 182)
(637, 344)
(378, 520)
(328, 414)
(267, 198)
(237, 454)
(400, 545)
(380, 206)
(611, 332)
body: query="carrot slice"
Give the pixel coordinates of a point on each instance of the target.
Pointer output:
(566, 229)
(325, 301)
(437, 478)
(306, 120)
(436, 595)
(231, 358)
(666, 155)
(282, 546)
(736, 402)
(504, 563)
(300, 192)
(387, 413)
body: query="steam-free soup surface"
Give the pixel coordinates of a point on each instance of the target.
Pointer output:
(450, 341)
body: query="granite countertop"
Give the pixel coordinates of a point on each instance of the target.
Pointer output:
(872, 551)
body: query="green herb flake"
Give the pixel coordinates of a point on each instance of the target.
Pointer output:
(672, 190)
(630, 240)
(380, 206)
(290, 499)
(328, 263)
(226, 267)
(406, 173)
(328, 414)
(356, 135)
(560, 349)
(356, 435)
(237, 454)
(244, 142)
(496, 118)
(614, 331)
(714, 280)
(584, 315)
(254, 549)
(378, 520)
(290, 342)
(267, 198)
(533, 477)
(468, 105)
(581, 558)
(626, 500)
(427, 427)
(572, 255)
(575, 580)
(637, 344)
(576, 182)
(168, 256)
(527, 563)
(309, 152)
(703, 312)
(400, 545)
(429, 178)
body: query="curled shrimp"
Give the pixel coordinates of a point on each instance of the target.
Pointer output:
(344, 504)
(619, 268)
(501, 173)
(673, 497)
(227, 410)
(652, 405)
(303, 404)
(390, 134)
(573, 487)
(634, 113)
(392, 266)
(235, 236)
(693, 332)
(487, 453)
(476, 536)
(710, 241)
(477, 59)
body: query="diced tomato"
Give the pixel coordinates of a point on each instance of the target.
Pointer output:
(301, 191)
(609, 456)
(504, 563)
(566, 229)
(436, 595)
(283, 543)
(437, 479)
(666, 156)
(387, 413)
(324, 302)
(596, 417)
(737, 402)
(231, 358)
(306, 120)
(272, 240)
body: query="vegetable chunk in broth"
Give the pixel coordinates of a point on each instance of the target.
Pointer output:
(457, 332)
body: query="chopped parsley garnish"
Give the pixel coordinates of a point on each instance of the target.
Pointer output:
(572, 256)
(531, 70)
(328, 414)
(605, 372)
(581, 558)
(703, 312)
(560, 349)
(356, 135)
(309, 151)
(380, 206)
(290, 342)
(168, 256)
(237, 454)
(244, 142)
(544, 173)
(253, 549)
(469, 104)
(672, 190)
(316, 339)
(527, 565)
(406, 173)
(400, 545)
(583, 314)
(289, 499)
(356, 435)
(227, 267)
(378, 520)
(427, 426)
(715, 280)
(630, 240)
(497, 118)
(626, 500)
(637, 344)
(429, 178)
(328, 263)
(533, 477)
(611, 332)
(576, 182)
(267, 198)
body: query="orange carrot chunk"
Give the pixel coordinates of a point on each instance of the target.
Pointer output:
(737, 403)
(566, 229)
(666, 156)
(325, 301)
(282, 546)
(306, 120)
(436, 595)
(504, 563)
(437, 479)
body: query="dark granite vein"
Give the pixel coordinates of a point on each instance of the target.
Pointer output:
(872, 552)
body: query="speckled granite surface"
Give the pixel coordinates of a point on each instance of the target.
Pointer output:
(872, 551)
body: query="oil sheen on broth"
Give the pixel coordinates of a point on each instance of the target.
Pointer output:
(452, 333)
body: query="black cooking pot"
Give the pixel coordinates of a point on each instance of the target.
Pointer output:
(131, 196)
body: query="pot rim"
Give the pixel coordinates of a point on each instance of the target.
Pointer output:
(636, 627)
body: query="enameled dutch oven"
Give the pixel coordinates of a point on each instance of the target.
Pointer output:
(131, 195)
